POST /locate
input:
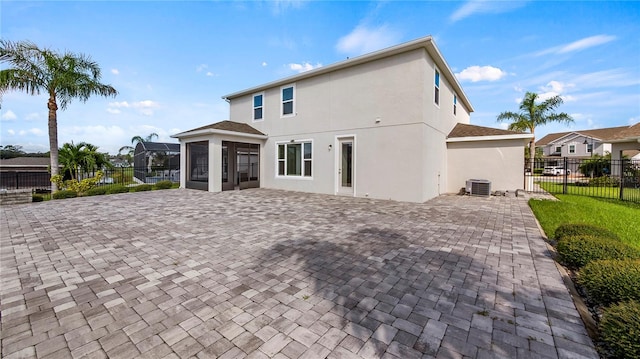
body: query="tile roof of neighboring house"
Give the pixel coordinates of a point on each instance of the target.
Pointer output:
(230, 126)
(26, 162)
(464, 130)
(603, 134)
(426, 43)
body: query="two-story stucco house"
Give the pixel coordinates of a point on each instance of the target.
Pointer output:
(392, 124)
(585, 143)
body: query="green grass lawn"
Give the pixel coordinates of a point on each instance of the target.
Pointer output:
(622, 218)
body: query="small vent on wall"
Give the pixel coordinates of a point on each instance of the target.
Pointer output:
(478, 187)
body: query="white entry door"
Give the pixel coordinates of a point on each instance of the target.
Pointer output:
(345, 166)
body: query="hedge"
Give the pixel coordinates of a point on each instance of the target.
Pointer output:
(611, 281)
(64, 194)
(573, 229)
(620, 330)
(96, 191)
(164, 185)
(578, 250)
(117, 189)
(142, 188)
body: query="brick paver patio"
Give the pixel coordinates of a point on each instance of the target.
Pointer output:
(265, 273)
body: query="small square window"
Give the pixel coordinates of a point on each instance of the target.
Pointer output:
(572, 148)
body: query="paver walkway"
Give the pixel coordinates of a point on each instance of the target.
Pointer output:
(265, 273)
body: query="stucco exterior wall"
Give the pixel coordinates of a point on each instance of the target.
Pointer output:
(387, 105)
(499, 161)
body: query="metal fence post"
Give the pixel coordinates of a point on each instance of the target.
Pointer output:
(564, 184)
(621, 178)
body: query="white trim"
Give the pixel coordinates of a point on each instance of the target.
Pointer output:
(211, 131)
(523, 136)
(277, 159)
(336, 162)
(253, 107)
(293, 101)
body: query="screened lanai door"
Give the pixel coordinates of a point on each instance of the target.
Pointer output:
(240, 165)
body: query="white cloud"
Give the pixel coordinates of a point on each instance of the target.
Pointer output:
(264, 64)
(202, 67)
(115, 71)
(363, 40)
(481, 73)
(484, 7)
(210, 74)
(11, 132)
(556, 88)
(145, 107)
(8, 116)
(578, 45)
(305, 66)
(34, 116)
(31, 131)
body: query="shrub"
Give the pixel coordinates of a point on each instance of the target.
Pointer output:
(164, 185)
(620, 329)
(611, 281)
(65, 194)
(37, 198)
(605, 181)
(573, 229)
(142, 188)
(97, 191)
(117, 189)
(576, 251)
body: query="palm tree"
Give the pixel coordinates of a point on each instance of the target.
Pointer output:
(73, 156)
(532, 115)
(135, 140)
(62, 76)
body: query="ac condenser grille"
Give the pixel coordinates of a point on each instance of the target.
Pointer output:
(478, 187)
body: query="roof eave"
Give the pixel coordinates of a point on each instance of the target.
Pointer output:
(520, 136)
(211, 131)
(424, 42)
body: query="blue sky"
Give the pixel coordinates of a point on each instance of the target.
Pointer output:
(172, 61)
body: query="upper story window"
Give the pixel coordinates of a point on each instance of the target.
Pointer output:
(572, 148)
(589, 147)
(558, 149)
(288, 94)
(258, 107)
(295, 159)
(455, 103)
(437, 88)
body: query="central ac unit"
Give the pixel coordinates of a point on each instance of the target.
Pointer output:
(478, 187)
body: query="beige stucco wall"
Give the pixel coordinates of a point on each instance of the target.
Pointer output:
(387, 105)
(499, 161)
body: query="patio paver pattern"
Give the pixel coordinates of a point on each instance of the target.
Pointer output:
(266, 273)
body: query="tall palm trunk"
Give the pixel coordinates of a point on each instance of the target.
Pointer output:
(53, 139)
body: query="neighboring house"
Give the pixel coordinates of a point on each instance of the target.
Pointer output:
(392, 124)
(25, 172)
(585, 143)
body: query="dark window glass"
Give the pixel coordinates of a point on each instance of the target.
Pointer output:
(307, 168)
(287, 108)
(287, 94)
(294, 159)
(257, 101)
(257, 113)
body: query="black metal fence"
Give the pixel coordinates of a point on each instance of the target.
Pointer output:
(127, 176)
(594, 177)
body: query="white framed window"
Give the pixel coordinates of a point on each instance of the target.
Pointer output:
(295, 159)
(572, 148)
(287, 100)
(258, 107)
(589, 147)
(558, 149)
(455, 103)
(436, 88)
